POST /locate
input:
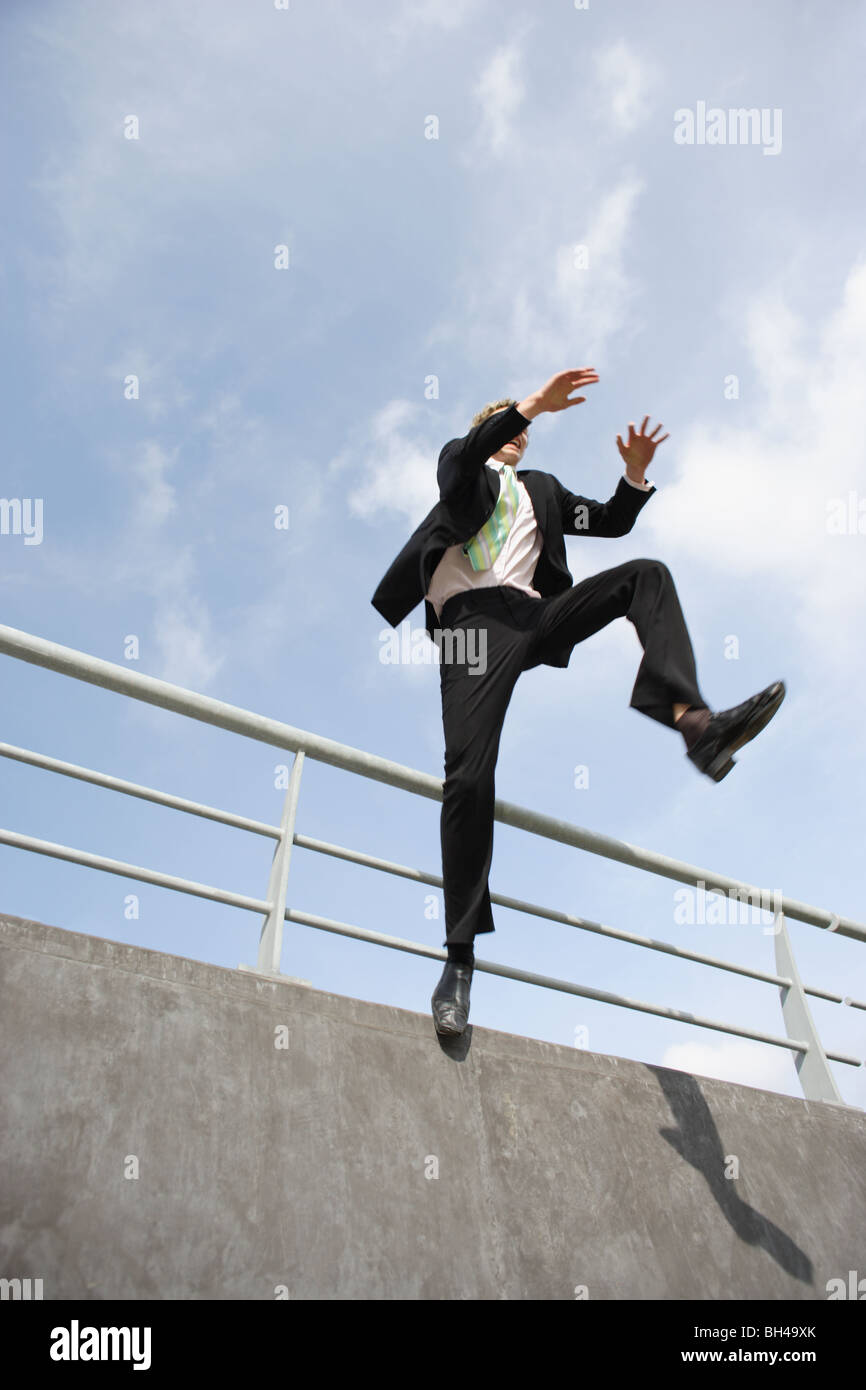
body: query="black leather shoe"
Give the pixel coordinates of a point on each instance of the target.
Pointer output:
(729, 729)
(450, 1000)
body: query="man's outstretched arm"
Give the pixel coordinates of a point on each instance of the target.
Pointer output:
(461, 459)
(584, 516)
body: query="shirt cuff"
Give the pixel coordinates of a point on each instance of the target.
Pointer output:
(641, 487)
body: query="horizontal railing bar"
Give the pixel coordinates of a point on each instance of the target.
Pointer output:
(833, 998)
(102, 779)
(675, 869)
(308, 919)
(117, 866)
(110, 676)
(843, 1057)
(553, 915)
(117, 784)
(826, 994)
(536, 910)
(134, 871)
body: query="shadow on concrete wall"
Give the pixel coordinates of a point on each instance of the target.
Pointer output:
(697, 1140)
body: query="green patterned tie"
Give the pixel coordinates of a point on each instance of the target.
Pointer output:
(484, 547)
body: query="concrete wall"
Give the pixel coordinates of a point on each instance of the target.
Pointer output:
(305, 1167)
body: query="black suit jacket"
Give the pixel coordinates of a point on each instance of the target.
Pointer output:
(468, 493)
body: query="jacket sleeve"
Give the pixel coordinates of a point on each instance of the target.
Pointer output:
(583, 516)
(461, 459)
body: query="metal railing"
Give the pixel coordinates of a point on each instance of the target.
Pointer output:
(811, 1060)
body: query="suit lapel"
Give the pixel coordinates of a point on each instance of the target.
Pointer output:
(538, 496)
(491, 476)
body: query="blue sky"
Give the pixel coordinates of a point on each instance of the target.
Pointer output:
(721, 289)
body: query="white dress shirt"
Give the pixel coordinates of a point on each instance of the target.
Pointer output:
(514, 565)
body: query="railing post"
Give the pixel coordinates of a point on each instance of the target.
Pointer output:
(813, 1069)
(271, 940)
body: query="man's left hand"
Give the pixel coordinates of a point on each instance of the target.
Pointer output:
(637, 453)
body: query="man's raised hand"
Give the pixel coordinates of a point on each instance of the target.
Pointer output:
(556, 393)
(637, 453)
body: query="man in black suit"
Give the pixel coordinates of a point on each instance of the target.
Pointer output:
(489, 561)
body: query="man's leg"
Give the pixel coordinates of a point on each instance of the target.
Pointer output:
(644, 592)
(666, 687)
(473, 712)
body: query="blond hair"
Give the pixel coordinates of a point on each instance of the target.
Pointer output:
(491, 409)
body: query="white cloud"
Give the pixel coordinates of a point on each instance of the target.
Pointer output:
(745, 1063)
(189, 654)
(140, 554)
(156, 499)
(500, 92)
(437, 14)
(537, 312)
(179, 642)
(394, 465)
(208, 86)
(625, 84)
(751, 497)
(160, 389)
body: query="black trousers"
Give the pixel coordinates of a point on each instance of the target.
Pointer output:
(514, 631)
